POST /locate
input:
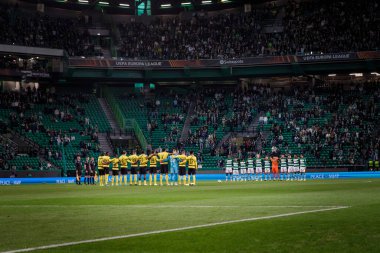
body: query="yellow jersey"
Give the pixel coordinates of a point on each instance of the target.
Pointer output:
(153, 161)
(115, 163)
(100, 162)
(106, 161)
(183, 161)
(133, 159)
(143, 158)
(163, 156)
(123, 159)
(192, 162)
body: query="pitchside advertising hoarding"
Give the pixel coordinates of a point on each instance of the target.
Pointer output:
(210, 177)
(268, 60)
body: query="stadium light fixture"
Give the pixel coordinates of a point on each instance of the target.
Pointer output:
(356, 74)
(104, 3)
(225, 1)
(375, 73)
(186, 3)
(166, 5)
(331, 75)
(206, 2)
(83, 1)
(124, 5)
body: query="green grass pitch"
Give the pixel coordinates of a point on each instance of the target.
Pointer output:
(39, 215)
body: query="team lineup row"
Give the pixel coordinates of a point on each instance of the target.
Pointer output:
(138, 166)
(291, 168)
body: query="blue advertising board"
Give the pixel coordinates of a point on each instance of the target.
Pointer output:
(211, 177)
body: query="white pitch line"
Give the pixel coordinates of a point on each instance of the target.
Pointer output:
(171, 230)
(167, 206)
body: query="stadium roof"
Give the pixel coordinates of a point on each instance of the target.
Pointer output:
(156, 7)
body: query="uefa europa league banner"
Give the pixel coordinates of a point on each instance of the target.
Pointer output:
(265, 60)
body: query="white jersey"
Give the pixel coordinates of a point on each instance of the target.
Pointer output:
(251, 167)
(229, 166)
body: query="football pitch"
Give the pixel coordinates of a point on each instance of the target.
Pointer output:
(312, 216)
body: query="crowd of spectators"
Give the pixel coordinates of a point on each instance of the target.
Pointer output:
(340, 119)
(349, 116)
(331, 26)
(310, 26)
(307, 26)
(34, 111)
(40, 30)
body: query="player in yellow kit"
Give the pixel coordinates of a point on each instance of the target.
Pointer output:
(106, 165)
(193, 166)
(133, 160)
(123, 159)
(115, 171)
(182, 167)
(153, 168)
(101, 169)
(164, 167)
(143, 159)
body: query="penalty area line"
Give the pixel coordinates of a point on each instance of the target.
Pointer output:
(172, 230)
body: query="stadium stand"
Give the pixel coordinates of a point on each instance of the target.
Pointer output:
(62, 124)
(340, 27)
(333, 125)
(33, 29)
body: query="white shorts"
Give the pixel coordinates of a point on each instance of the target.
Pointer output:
(266, 170)
(290, 169)
(243, 171)
(250, 171)
(296, 169)
(259, 170)
(283, 170)
(228, 170)
(235, 172)
(303, 170)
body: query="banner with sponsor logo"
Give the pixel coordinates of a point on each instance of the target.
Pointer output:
(217, 63)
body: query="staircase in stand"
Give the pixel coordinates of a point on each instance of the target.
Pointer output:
(105, 143)
(109, 115)
(186, 125)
